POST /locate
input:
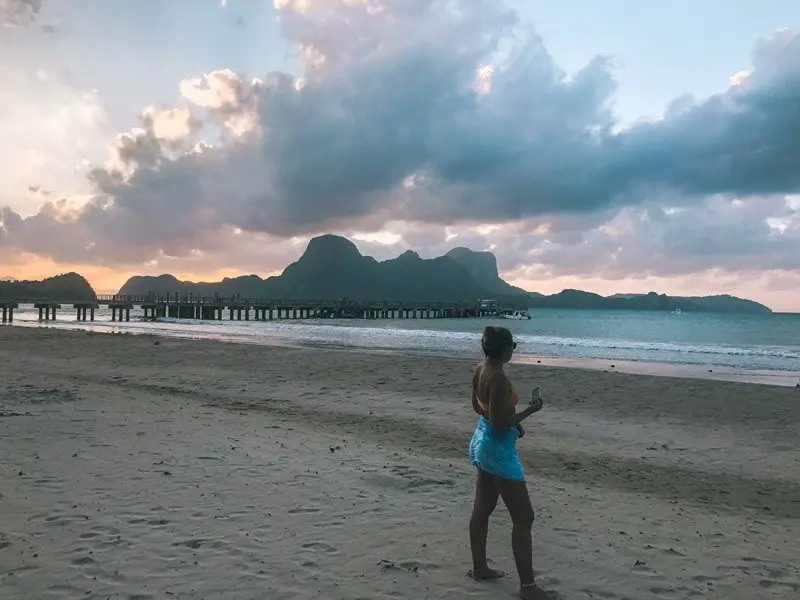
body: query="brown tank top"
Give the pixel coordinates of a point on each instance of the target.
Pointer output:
(514, 400)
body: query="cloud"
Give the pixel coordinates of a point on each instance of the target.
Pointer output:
(648, 240)
(433, 116)
(18, 12)
(740, 142)
(48, 134)
(749, 234)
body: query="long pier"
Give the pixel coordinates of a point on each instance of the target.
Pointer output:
(261, 309)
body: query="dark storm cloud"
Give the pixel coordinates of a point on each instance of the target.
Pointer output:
(745, 141)
(400, 129)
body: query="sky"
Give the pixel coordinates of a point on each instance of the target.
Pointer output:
(612, 147)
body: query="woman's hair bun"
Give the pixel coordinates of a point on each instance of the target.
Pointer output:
(495, 341)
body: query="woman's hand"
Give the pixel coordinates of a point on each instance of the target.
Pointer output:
(536, 406)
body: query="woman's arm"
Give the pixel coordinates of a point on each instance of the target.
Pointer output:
(529, 410)
(475, 375)
(503, 414)
(517, 418)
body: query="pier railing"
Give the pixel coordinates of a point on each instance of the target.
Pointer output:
(243, 301)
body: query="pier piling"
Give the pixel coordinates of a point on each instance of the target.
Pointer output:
(47, 310)
(8, 307)
(118, 309)
(154, 310)
(84, 309)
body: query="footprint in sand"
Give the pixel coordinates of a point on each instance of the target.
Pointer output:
(194, 544)
(415, 566)
(320, 547)
(598, 593)
(61, 590)
(769, 584)
(660, 592)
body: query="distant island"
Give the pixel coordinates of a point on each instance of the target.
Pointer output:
(68, 287)
(333, 267)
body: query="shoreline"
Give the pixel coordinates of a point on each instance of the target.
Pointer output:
(631, 367)
(675, 370)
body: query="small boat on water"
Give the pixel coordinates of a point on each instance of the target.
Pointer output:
(518, 315)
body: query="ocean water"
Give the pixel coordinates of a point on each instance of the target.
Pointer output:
(758, 348)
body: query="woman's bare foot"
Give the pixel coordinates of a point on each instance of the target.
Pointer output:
(486, 574)
(531, 591)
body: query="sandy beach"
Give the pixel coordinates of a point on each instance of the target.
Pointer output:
(143, 468)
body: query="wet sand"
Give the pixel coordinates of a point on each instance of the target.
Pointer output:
(190, 469)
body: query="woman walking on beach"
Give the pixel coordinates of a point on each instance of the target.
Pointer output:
(493, 451)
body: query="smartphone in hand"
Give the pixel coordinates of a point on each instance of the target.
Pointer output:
(535, 394)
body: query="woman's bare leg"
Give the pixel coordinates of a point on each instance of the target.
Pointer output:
(486, 496)
(518, 501)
